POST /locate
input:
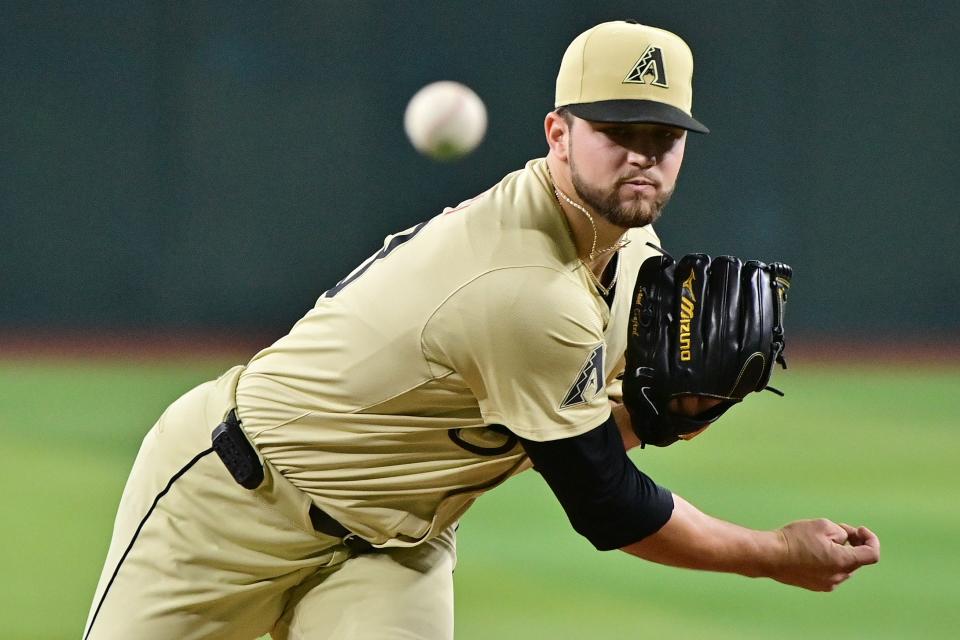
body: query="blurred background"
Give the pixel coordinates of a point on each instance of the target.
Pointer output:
(195, 175)
(218, 165)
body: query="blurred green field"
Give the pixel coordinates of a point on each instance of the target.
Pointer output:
(875, 446)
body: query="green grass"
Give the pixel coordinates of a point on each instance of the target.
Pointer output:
(866, 446)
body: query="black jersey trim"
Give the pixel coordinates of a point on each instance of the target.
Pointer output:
(609, 274)
(509, 443)
(136, 534)
(397, 240)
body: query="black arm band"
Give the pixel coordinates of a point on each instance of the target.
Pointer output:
(607, 499)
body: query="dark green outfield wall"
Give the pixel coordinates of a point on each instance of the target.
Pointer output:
(221, 164)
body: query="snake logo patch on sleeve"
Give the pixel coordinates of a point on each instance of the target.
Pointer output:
(589, 381)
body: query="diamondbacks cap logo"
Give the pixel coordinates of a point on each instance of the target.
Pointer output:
(649, 64)
(589, 381)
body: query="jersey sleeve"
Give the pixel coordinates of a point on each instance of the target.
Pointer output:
(528, 341)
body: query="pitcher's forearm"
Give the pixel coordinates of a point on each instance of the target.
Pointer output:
(693, 540)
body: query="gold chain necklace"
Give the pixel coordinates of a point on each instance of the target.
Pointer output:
(616, 246)
(619, 244)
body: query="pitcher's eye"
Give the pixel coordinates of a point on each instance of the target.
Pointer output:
(615, 132)
(669, 133)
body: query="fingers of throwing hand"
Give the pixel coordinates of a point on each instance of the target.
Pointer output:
(862, 547)
(852, 535)
(869, 539)
(866, 550)
(824, 554)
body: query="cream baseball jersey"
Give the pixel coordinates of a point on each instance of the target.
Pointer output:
(397, 399)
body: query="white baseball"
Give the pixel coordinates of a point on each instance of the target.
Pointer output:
(445, 120)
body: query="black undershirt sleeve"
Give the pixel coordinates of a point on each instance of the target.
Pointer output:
(607, 499)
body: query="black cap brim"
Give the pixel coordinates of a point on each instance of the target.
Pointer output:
(635, 111)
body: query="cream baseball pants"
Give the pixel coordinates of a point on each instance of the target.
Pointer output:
(195, 555)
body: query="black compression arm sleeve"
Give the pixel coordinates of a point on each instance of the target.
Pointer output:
(607, 499)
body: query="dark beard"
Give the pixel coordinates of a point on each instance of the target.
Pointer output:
(640, 214)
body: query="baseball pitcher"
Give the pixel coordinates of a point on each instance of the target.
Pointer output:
(315, 491)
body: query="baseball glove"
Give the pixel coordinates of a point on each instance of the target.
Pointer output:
(700, 327)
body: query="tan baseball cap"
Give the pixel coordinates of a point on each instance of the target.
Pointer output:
(628, 72)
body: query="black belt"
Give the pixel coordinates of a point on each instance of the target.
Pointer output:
(325, 523)
(240, 458)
